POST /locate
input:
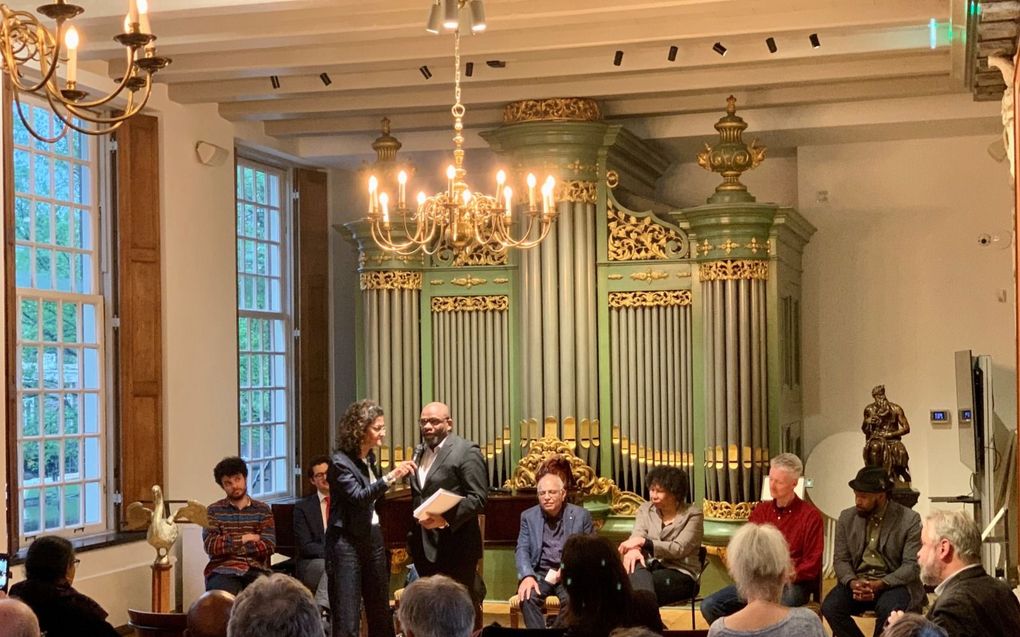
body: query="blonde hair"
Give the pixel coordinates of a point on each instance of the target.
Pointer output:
(759, 561)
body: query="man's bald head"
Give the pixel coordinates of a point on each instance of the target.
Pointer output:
(435, 423)
(17, 619)
(209, 615)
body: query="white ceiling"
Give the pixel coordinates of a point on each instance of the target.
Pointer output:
(225, 50)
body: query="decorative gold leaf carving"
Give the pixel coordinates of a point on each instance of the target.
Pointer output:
(705, 247)
(391, 280)
(639, 239)
(614, 277)
(561, 108)
(663, 298)
(683, 275)
(494, 303)
(734, 270)
(612, 179)
(650, 275)
(467, 281)
(728, 246)
(587, 482)
(718, 510)
(754, 246)
(501, 280)
(379, 259)
(487, 254)
(436, 282)
(577, 190)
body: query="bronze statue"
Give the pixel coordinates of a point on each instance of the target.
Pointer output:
(884, 426)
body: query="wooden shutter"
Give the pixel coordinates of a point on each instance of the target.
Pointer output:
(139, 290)
(312, 240)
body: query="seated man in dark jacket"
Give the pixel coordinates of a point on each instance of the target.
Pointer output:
(310, 514)
(62, 611)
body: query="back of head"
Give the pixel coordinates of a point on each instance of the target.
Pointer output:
(17, 619)
(48, 559)
(437, 606)
(209, 614)
(960, 529)
(275, 606)
(913, 625)
(598, 585)
(759, 561)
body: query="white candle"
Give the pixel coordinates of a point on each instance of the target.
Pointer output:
(132, 12)
(373, 185)
(451, 172)
(143, 16)
(507, 193)
(402, 192)
(531, 191)
(385, 201)
(500, 180)
(71, 41)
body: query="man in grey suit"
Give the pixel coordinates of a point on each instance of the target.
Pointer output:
(545, 528)
(968, 603)
(451, 543)
(875, 557)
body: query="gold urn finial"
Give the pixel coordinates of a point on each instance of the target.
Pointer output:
(386, 145)
(731, 156)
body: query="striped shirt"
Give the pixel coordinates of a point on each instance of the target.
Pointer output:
(227, 554)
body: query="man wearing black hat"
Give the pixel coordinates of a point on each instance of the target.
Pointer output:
(875, 557)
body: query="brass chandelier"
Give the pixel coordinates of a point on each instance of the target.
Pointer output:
(25, 42)
(458, 219)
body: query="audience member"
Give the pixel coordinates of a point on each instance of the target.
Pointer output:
(911, 625)
(544, 529)
(241, 536)
(968, 602)
(275, 606)
(875, 557)
(601, 597)
(50, 567)
(209, 614)
(633, 631)
(436, 606)
(17, 619)
(759, 561)
(311, 515)
(662, 552)
(801, 526)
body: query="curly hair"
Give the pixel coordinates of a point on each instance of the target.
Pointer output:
(351, 429)
(672, 480)
(558, 466)
(229, 466)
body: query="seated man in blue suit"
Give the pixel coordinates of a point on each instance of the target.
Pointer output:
(544, 529)
(310, 515)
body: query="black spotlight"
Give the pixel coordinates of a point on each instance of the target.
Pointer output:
(719, 48)
(325, 79)
(496, 64)
(469, 69)
(771, 44)
(275, 81)
(425, 72)
(618, 58)
(815, 42)
(672, 54)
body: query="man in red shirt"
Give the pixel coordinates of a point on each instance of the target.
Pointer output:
(801, 525)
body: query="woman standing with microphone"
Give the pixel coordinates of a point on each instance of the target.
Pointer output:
(355, 556)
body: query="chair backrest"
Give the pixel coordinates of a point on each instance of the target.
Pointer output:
(481, 527)
(702, 560)
(148, 624)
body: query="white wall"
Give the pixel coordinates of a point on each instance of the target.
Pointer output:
(895, 282)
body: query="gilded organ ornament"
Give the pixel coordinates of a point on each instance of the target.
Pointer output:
(467, 281)
(731, 156)
(493, 303)
(577, 190)
(719, 510)
(391, 280)
(731, 270)
(579, 109)
(488, 254)
(640, 239)
(660, 298)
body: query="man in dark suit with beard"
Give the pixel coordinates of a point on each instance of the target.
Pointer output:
(451, 543)
(968, 602)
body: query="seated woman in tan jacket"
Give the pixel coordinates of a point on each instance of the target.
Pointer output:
(662, 552)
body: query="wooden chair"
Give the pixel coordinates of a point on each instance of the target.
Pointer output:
(551, 609)
(696, 597)
(146, 624)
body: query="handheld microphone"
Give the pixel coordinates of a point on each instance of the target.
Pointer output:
(419, 451)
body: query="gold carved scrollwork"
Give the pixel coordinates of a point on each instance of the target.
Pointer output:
(587, 482)
(577, 190)
(467, 281)
(718, 510)
(399, 558)
(391, 280)
(638, 239)
(496, 303)
(650, 275)
(379, 259)
(662, 298)
(487, 254)
(734, 270)
(580, 109)
(614, 277)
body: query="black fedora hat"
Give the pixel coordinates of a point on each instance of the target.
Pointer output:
(870, 480)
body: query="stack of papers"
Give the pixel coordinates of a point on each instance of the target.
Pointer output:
(437, 504)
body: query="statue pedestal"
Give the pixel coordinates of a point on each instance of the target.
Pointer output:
(161, 588)
(905, 496)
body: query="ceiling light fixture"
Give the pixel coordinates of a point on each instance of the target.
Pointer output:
(771, 44)
(815, 42)
(496, 64)
(458, 219)
(275, 81)
(425, 72)
(435, 22)
(445, 14)
(719, 48)
(618, 58)
(325, 79)
(469, 69)
(673, 50)
(26, 43)
(477, 16)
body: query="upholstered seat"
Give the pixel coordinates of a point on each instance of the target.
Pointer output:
(552, 608)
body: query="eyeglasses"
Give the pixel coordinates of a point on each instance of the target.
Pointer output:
(77, 561)
(433, 421)
(319, 475)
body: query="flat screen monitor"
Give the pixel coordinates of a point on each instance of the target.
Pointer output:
(966, 414)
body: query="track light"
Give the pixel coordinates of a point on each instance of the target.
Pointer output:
(672, 54)
(425, 72)
(451, 14)
(496, 64)
(477, 16)
(469, 69)
(771, 44)
(325, 79)
(815, 42)
(275, 81)
(618, 58)
(719, 48)
(435, 18)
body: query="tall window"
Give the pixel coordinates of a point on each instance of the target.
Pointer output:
(61, 344)
(264, 325)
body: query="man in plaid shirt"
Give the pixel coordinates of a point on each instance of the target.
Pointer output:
(242, 534)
